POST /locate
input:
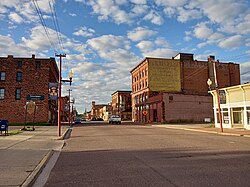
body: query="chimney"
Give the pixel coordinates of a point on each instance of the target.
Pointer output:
(10, 56)
(211, 58)
(33, 56)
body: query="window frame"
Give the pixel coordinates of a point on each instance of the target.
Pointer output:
(38, 65)
(19, 76)
(2, 73)
(18, 94)
(19, 64)
(2, 93)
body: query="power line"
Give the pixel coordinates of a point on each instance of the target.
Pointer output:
(56, 25)
(39, 13)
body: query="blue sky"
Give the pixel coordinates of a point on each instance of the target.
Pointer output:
(105, 39)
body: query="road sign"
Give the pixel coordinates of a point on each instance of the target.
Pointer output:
(35, 97)
(145, 112)
(30, 107)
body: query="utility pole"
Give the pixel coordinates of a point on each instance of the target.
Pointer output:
(69, 107)
(218, 95)
(60, 93)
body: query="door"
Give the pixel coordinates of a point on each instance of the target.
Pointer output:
(155, 115)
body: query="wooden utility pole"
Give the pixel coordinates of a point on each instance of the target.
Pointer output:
(218, 95)
(59, 93)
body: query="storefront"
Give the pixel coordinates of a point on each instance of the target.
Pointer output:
(234, 106)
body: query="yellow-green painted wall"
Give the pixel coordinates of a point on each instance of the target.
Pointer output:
(164, 75)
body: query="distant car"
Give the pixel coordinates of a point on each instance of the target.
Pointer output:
(83, 119)
(115, 119)
(78, 121)
(93, 119)
(99, 119)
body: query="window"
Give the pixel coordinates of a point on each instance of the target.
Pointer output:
(38, 65)
(19, 76)
(1, 93)
(19, 64)
(2, 76)
(18, 93)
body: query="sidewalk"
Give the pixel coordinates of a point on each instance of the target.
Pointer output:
(206, 128)
(24, 155)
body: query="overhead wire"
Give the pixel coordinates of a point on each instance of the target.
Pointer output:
(56, 24)
(39, 13)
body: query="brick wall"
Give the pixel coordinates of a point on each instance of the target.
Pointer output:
(187, 107)
(34, 82)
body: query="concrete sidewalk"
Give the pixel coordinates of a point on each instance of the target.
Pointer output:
(24, 155)
(206, 128)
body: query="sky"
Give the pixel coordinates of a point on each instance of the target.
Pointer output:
(105, 39)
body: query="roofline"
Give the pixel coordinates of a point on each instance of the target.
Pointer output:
(124, 91)
(150, 58)
(232, 87)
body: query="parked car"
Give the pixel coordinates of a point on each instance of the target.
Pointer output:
(99, 119)
(78, 121)
(115, 119)
(83, 119)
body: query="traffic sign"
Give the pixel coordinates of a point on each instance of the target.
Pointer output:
(35, 97)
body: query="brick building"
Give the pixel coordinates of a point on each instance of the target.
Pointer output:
(26, 79)
(100, 111)
(158, 83)
(121, 104)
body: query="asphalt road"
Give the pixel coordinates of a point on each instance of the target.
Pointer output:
(130, 155)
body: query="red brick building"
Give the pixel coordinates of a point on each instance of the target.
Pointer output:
(173, 89)
(121, 104)
(26, 79)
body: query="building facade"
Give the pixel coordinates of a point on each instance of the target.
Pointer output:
(121, 104)
(180, 75)
(23, 80)
(100, 111)
(234, 105)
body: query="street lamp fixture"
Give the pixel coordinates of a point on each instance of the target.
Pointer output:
(209, 83)
(70, 78)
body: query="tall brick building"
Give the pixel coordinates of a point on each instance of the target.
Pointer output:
(26, 79)
(159, 86)
(121, 104)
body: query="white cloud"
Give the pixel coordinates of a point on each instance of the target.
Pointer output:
(139, 1)
(154, 17)
(72, 14)
(15, 17)
(245, 72)
(188, 14)
(9, 47)
(145, 45)
(38, 38)
(139, 9)
(171, 3)
(140, 33)
(201, 31)
(232, 42)
(85, 32)
(108, 42)
(160, 52)
(107, 9)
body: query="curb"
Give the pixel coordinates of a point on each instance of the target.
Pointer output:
(29, 181)
(204, 131)
(66, 134)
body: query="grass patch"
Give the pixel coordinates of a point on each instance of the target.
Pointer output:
(210, 126)
(30, 124)
(14, 132)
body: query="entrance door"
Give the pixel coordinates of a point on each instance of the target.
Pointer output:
(155, 115)
(237, 117)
